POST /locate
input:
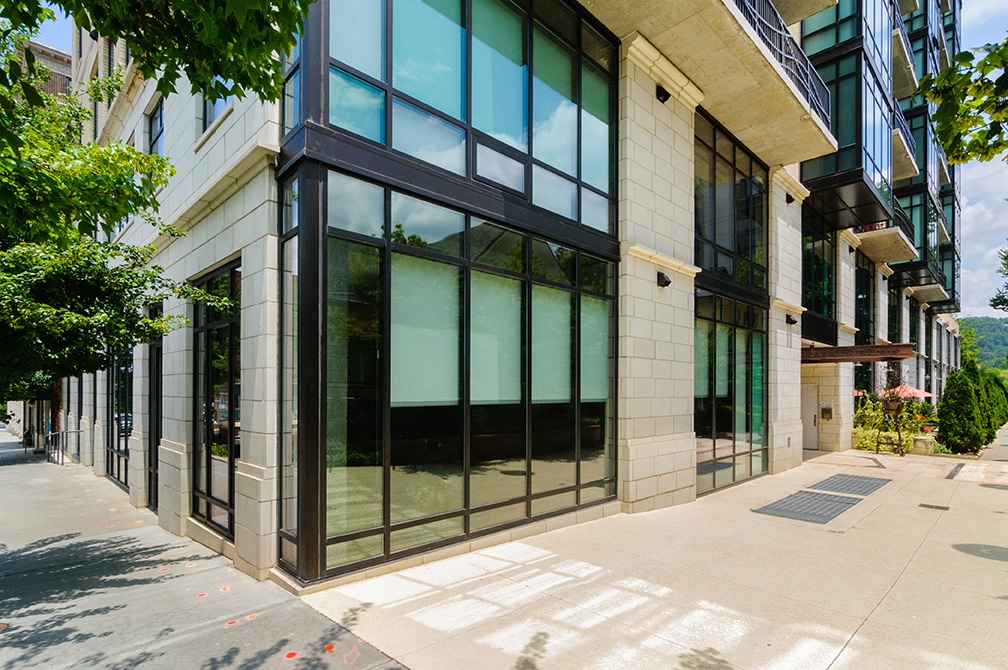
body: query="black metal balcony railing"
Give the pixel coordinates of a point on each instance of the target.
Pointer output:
(906, 38)
(900, 220)
(900, 122)
(763, 17)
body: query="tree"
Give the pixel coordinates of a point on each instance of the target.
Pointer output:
(1000, 299)
(66, 299)
(959, 415)
(971, 120)
(969, 345)
(223, 47)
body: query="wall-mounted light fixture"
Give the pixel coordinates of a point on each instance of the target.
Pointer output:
(885, 278)
(662, 95)
(788, 198)
(663, 280)
(790, 320)
(850, 249)
(93, 34)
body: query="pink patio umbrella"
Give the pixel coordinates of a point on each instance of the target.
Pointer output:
(907, 391)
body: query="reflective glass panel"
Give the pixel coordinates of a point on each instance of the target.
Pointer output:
(554, 112)
(355, 205)
(596, 361)
(428, 137)
(553, 451)
(553, 262)
(356, 106)
(427, 460)
(354, 550)
(497, 441)
(424, 225)
(595, 119)
(594, 210)
(497, 246)
(428, 53)
(500, 72)
(353, 387)
(553, 192)
(357, 34)
(497, 167)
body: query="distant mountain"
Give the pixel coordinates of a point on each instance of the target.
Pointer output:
(992, 336)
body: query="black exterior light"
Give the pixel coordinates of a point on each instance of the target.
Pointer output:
(93, 34)
(788, 198)
(790, 320)
(662, 95)
(663, 280)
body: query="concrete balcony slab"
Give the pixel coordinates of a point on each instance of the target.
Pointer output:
(886, 244)
(793, 11)
(904, 165)
(904, 75)
(744, 85)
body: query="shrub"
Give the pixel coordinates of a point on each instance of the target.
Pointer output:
(962, 427)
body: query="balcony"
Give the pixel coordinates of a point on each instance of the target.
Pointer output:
(907, 6)
(793, 11)
(904, 148)
(755, 79)
(904, 75)
(888, 241)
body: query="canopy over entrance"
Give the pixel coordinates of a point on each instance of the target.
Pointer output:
(862, 353)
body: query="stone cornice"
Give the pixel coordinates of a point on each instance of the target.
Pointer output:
(788, 307)
(663, 260)
(644, 55)
(792, 185)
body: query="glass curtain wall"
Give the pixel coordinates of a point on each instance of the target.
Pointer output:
(730, 197)
(818, 277)
(119, 418)
(729, 390)
(457, 231)
(513, 94)
(468, 374)
(217, 396)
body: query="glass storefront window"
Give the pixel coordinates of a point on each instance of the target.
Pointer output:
(485, 356)
(729, 390)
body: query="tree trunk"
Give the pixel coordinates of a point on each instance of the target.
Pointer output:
(56, 404)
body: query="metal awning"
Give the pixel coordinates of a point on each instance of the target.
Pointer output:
(861, 353)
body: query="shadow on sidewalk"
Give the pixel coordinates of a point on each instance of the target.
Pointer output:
(44, 588)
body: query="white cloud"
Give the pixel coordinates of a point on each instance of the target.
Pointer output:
(984, 187)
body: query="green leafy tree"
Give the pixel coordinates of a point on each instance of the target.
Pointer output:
(959, 415)
(67, 300)
(222, 47)
(1000, 299)
(969, 345)
(971, 120)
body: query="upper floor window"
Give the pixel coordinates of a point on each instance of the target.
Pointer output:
(291, 110)
(864, 300)
(155, 129)
(519, 95)
(212, 109)
(730, 195)
(914, 323)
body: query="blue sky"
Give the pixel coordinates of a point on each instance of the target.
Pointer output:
(984, 186)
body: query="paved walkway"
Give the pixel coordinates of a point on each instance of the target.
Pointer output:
(914, 575)
(87, 581)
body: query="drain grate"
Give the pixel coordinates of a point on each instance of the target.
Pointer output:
(853, 484)
(954, 471)
(810, 506)
(943, 508)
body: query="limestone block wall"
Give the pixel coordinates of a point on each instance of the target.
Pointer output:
(784, 422)
(656, 444)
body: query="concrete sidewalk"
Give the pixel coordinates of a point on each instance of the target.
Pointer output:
(87, 581)
(914, 575)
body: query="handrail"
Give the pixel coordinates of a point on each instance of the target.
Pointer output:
(764, 18)
(900, 220)
(54, 442)
(900, 122)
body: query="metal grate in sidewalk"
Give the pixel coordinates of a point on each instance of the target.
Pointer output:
(810, 506)
(853, 484)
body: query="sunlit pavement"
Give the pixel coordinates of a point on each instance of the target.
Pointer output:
(87, 581)
(888, 583)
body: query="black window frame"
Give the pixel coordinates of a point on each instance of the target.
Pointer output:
(155, 129)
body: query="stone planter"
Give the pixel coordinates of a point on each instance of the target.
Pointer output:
(922, 445)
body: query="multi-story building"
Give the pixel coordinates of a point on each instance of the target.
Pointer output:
(498, 267)
(881, 250)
